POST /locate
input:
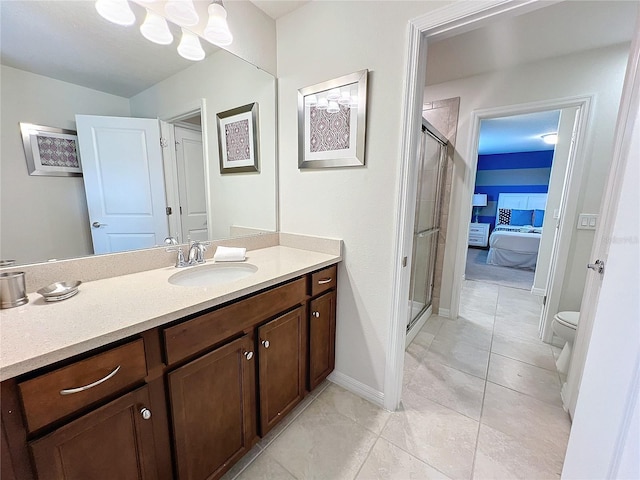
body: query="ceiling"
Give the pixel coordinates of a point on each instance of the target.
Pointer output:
(278, 8)
(517, 133)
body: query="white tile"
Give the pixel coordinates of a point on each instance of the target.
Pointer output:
(538, 354)
(249, 458)
(388, 462)
(464, 356)
(502, 456)
(435, 434)
(523, 416)
(517, 326)
(361, 411)
(322, 444)
(463, 330)
(449, 387)
(524, 378)
(286, 421)
(265, 468)
(432, 325)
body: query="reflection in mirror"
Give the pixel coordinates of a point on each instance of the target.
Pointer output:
(80, 64)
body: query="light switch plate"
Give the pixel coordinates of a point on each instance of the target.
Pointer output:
(587, 221)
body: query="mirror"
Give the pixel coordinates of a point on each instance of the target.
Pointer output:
(61, 59)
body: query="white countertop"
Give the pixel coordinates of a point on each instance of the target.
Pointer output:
(40, 333)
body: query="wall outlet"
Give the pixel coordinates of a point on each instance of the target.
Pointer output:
(587, 221)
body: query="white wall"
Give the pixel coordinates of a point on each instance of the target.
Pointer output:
(37, 212)
(598, 72)
(317, 42)
(243, 199)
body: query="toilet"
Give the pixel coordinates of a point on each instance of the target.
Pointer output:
(564, 325)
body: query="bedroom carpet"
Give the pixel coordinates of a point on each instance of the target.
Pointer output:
(478, 270)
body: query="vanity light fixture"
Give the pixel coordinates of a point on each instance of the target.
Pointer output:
(334, 94)
(217, 30)
(333, 107)
(116, 11)
(345, 99)
(323, 103)
(550, 138)
(182, 12)
(312, 100)
(190, 47)
(155, 29)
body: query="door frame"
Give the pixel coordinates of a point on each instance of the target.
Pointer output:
(167, 121)
(572, 185)
(439, 23)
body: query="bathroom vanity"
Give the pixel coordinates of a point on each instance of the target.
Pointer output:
(185, 395)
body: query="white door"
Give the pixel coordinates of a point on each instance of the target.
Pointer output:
(124, 182)
(605, 367)
(191, 184)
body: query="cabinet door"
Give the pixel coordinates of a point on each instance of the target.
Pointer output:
(322, 338)
(281, 359)
(114, 441)
(213, 410)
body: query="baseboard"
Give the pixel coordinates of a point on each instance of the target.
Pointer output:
(359, 388)
(444, 312)
(540, 292)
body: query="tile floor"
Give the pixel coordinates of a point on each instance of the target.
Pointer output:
(481, 399)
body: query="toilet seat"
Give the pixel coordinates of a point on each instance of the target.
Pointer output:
(568, 319)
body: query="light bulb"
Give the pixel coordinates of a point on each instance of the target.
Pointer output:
(155, 29)
(334, 94)
(550, 138)
(182, 12)
(323, 104)
(345, 99)
(190, 47)
(333, 107)
(217, 30)
(116, 11)
(311, 100)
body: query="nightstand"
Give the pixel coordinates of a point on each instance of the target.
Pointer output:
(478, 234)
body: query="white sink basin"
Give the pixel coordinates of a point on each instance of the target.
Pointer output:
(212, 274)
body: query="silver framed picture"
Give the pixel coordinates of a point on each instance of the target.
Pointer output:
(332, 118)
(238, 139)
(51, 151)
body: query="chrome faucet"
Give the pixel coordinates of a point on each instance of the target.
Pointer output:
(196, 252)
(174, 247)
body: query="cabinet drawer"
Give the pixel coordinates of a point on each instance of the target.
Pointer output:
(202, 332)
(323, 280)
(68, 389)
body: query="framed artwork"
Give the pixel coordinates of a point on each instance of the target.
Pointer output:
(238, 139)
(332, 122)
(51, 151)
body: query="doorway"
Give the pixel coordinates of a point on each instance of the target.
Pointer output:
(430, 169)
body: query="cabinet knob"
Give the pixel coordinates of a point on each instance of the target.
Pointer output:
(249, 355)
(146, 413)
(315, 314)
(265, 343)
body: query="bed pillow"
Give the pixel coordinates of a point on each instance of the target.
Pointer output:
(504, 216)
(538, 218)
(521, 217)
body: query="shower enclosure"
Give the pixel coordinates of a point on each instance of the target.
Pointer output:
(430, 169)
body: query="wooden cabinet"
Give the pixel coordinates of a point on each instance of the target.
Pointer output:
(213, 410)
(281, 356)
(322, 335)
(114, 441)
(186, 400)
(478, 234)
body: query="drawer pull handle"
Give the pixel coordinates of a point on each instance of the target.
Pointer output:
(324, 280)
(146, 413)
(249, 355)
(315, 314)
(69, 391)
(265, 343)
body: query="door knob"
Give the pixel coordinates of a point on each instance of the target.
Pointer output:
(146, 413)
(98, 224)
(265, 343)
(598, 266)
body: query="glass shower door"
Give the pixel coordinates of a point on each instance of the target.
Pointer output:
(427, 223)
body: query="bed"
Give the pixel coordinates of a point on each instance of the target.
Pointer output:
(516, 238)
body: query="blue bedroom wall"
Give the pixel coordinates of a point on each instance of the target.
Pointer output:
(523, 172)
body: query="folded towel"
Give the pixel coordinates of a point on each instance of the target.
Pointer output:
(229, 254)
